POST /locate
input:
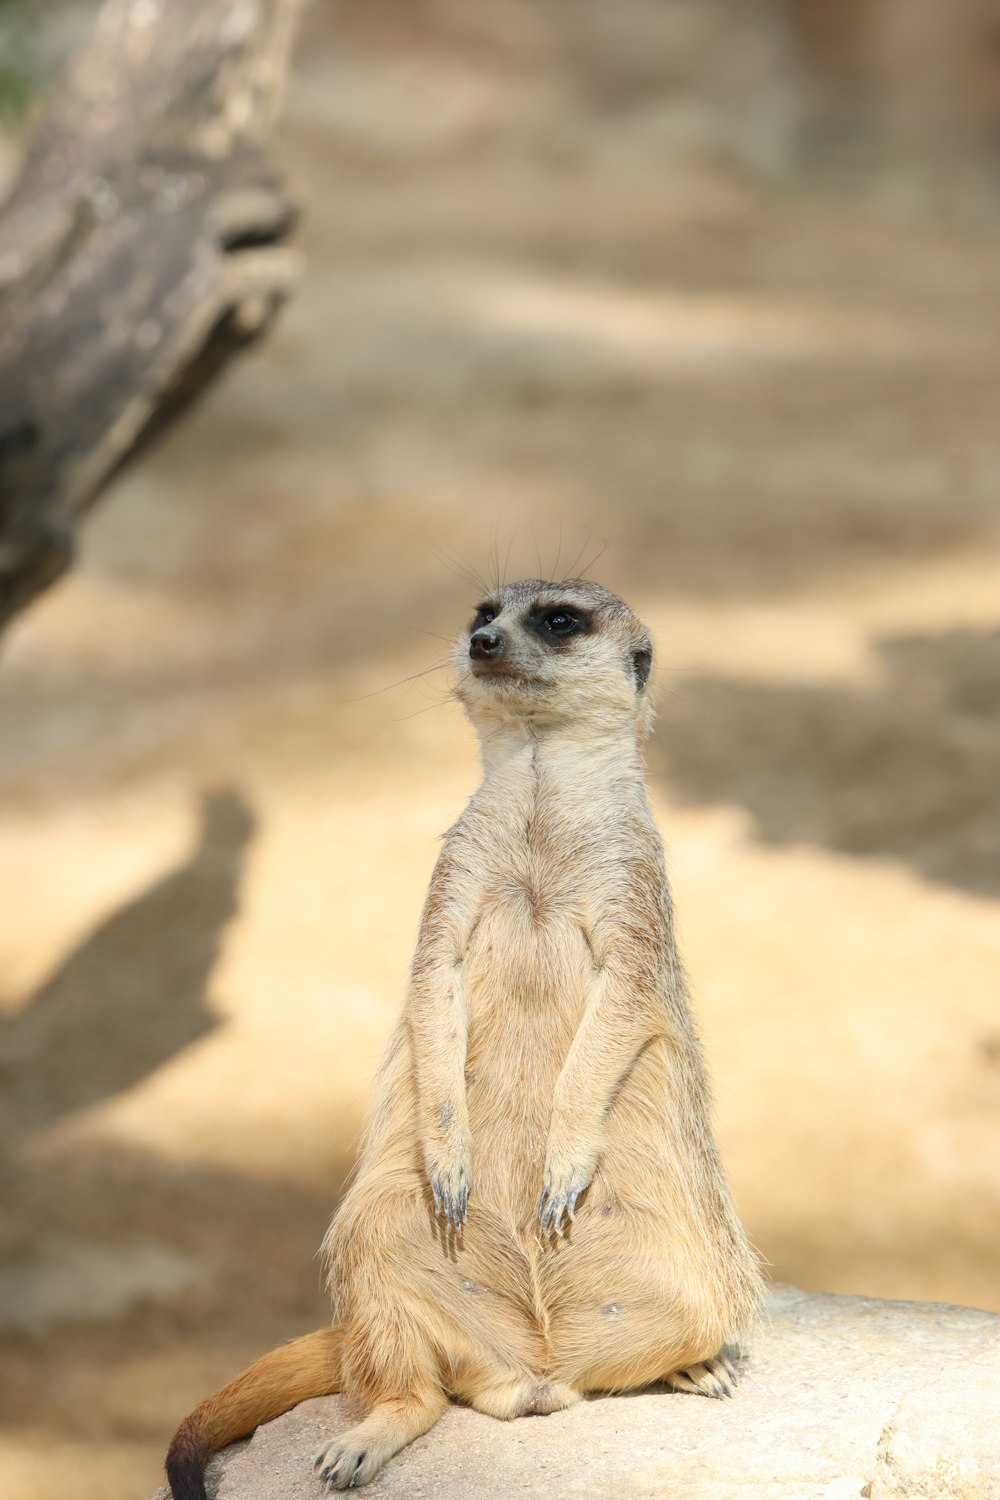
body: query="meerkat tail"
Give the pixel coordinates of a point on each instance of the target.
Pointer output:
(308, 1366)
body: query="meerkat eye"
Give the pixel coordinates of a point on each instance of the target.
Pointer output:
(556, 623)
(485, 615)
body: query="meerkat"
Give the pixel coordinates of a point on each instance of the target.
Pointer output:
(539, 1210)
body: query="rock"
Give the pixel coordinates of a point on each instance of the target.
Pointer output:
(839, 1398)
(941, 1442)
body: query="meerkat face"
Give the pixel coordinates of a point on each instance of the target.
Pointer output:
(552, 652)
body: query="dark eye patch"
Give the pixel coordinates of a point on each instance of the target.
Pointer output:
(556, 624)
(485, 614)
(642, 661)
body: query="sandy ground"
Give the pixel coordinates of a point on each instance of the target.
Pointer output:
(533, 329)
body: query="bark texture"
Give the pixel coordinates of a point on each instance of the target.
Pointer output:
(140, 248)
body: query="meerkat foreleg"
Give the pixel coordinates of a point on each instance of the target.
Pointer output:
(439, 1023)
(614, 1029)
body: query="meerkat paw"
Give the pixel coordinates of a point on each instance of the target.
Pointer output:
(712, 1377)
(450, 1189)
(447, 1148)
(345, 1464)
(562, 1187)
(355, 1458)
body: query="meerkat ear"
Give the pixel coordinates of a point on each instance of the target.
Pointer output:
(642, 661)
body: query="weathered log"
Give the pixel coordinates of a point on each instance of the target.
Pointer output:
(139, 249)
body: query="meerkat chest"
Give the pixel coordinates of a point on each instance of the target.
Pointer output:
(534, 853)
(535, 885)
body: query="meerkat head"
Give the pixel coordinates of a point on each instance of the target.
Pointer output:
(553, 653)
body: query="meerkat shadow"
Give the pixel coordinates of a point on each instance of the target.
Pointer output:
(902, 766)
(135, 992)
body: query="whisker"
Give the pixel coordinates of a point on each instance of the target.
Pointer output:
(438, 667)
(494, 557)
(506, 561)
(596, 558)
(571, 570)
(555, 571)
(402, 718)
(447, 640)
(481, 579)
(461, 569)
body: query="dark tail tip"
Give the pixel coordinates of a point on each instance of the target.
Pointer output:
(185, 1465)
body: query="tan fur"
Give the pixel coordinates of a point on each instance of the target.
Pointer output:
(539, 1210)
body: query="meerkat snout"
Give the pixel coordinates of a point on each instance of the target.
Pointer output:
(486, 645)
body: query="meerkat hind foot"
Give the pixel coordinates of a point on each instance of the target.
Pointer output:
(356, 1457)
(347, 1463)
(712, 1377)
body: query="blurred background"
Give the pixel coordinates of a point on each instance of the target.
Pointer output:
(699, 294)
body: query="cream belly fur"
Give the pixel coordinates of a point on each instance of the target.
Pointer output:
(539, 1209)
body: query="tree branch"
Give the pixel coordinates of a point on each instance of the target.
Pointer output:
(140, 248)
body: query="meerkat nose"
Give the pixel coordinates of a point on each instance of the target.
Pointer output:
(484, 644)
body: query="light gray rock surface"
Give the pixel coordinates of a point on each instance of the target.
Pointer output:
(840, 1398)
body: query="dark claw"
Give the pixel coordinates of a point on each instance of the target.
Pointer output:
(547, 1207)
(552, 1206)
(453, 1208)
